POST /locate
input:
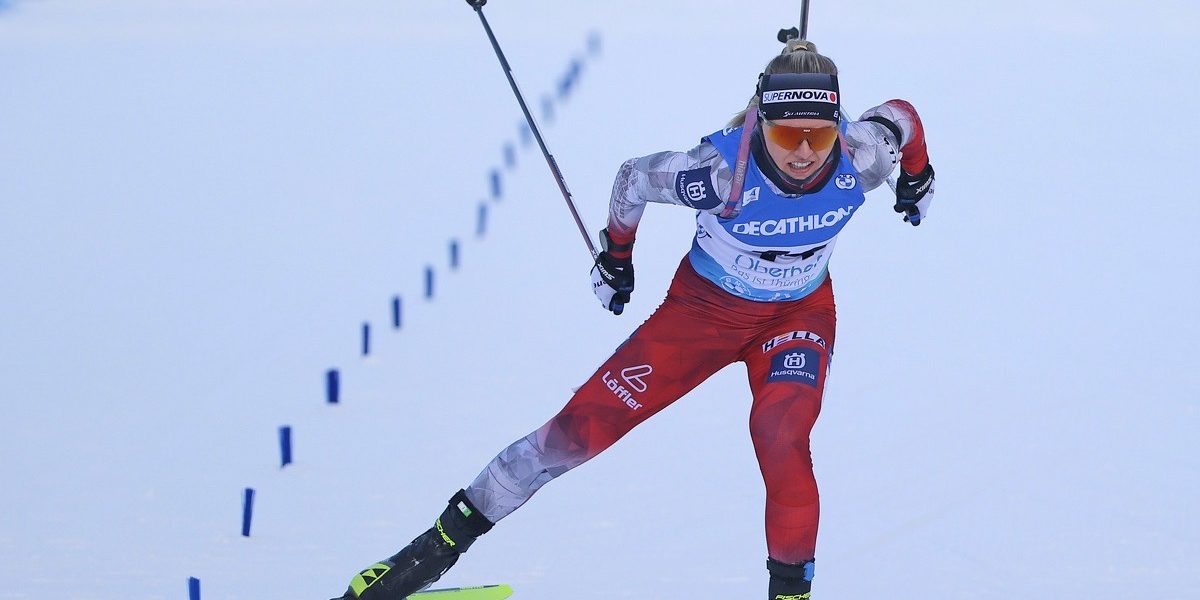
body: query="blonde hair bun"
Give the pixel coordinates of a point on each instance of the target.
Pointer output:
(798, 45)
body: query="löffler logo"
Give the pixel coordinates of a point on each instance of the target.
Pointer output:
(634, 378)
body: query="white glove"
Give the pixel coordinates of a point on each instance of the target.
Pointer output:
(612, 278)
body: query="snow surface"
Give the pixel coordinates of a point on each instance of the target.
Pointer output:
(202, 202)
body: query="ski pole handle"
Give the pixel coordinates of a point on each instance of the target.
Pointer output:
(792, 33)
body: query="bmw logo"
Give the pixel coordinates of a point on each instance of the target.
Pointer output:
(734, 285)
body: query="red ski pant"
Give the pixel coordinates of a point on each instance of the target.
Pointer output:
(698, 330)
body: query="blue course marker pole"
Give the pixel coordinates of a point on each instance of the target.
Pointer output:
(366, 339)
(594, 43)
(526, 135)
(567, 83)
(247, 511)
(332, 386)
(481, 220)
(495, 185)
(396, 312)
(193, 588)
(510, 156)
(454, 255)
(428, 283)
(285, 446)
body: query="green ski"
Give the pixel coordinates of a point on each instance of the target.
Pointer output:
(483, 592)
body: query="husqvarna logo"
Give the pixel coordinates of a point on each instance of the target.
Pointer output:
(694, 188)
(798, 365)
(794, 361)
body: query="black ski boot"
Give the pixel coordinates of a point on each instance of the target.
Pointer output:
(424, 560)
(789, 582)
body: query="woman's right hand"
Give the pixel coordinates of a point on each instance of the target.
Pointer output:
(612, 278)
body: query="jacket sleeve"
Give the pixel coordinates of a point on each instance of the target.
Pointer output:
(903, 122)
(886, 134)
(873, 152)
(698, 179)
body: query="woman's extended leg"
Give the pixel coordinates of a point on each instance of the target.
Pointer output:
(675, 350)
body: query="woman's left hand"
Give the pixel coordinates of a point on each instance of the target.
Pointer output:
(914, 193)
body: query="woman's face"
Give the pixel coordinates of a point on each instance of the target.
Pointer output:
(799, 146)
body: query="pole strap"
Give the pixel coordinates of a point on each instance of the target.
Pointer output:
(733, 204)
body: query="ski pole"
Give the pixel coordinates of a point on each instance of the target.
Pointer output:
(558, 177)
(804, 19)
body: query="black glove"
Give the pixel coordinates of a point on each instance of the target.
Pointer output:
(914, 193)
(476, 3)
(612, 278)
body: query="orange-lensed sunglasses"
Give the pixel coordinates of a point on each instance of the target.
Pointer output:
(820, 138)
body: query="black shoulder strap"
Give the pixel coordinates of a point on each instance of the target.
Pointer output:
(892, 127)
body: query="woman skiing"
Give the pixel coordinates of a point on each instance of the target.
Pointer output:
(753, 288)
